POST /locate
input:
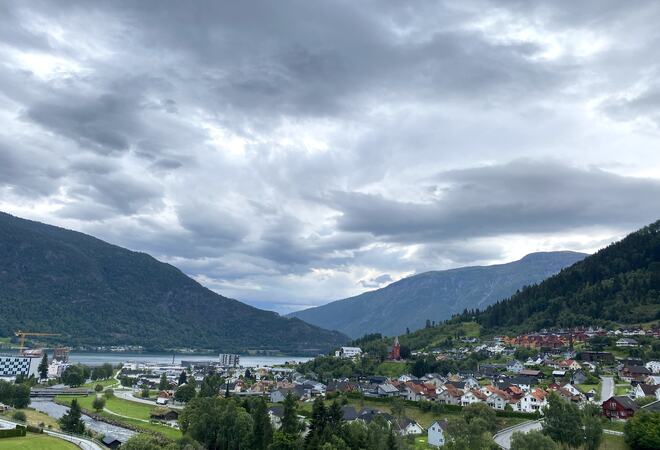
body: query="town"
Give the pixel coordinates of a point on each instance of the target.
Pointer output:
(511, 379)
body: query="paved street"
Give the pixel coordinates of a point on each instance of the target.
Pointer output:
(503, 438)
(84, 444)
(7, 425)
(607, 388)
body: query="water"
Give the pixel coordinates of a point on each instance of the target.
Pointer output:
(96, 359)
(56, 411)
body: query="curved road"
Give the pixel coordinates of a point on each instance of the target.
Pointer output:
(503, 438)
(606, 388)
(128, 395)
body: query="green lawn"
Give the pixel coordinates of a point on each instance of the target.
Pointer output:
(621, 389)
(421, 442)
(34, 442)
(611, 442)
(392, 369)
(104, 383)
(584, 388)
(138, 412)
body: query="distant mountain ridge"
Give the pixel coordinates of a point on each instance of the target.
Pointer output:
(94, 293)
(618, 284)
(435, 295)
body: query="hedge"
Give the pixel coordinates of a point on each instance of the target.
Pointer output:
(19, 431)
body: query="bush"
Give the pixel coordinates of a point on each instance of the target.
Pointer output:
(33, 429)
(19, 415)
(98, 387)
(109, 393)
(19, 431)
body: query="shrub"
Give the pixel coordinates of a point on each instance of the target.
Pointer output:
(19, 415)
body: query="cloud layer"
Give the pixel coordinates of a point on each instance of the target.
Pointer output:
(290, 153)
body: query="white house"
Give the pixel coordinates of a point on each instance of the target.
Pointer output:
(515, 366)
(473, 396)
(348, 352)
(387, 390)
(572, 389)
(653, 366)
(532, 401)
(436, 433)
(646, 390)
(627, 342)
(408, 427)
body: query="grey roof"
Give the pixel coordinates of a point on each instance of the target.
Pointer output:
(349, 413)
(655, 406)
(625, 401)
(109, 439)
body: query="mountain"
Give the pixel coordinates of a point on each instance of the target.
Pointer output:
(435, 296)
(620, 283)
(94, 293)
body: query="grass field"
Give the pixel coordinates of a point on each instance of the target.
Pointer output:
(104, 383)
(37, 418)
(138, 413)
(611, 442)
(36, 442)
(621, 389)
(392, 369)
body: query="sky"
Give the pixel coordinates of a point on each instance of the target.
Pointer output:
(290, 153)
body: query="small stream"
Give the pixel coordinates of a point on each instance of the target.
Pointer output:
(56, 411)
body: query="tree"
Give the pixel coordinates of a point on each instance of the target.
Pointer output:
(283, 441)
(145, 392)
(263, 430)
(185, 393)
(290, 422)
(217, 423)
(71, 420)
(164, 384)
(211, 385)
(534, 440)
(317, 424)
(147, 442)
(21, 396)
(19, 415)
(562, 422)
(98, 387)
(642, 432)
(109, 393)
(593, 428)
(74, 376)
(43, 367)
(98, 404)
(183, 378)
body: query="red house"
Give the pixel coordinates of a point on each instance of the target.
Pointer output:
(619, 407)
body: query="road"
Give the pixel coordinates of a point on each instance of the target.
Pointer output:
(84, 444)
(128, 395)
(607, 388)
(503, 438)
(7, 425)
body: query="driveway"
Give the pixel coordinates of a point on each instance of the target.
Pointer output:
(503, 438)
(607, 388)
(128, 395)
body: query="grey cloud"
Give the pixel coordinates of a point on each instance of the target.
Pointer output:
(376, 282)
(519, 197)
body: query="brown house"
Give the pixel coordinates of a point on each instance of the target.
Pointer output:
(619, 407)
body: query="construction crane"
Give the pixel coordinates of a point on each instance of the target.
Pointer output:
(23, 334)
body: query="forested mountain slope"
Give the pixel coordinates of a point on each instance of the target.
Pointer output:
(91, 292)
(620, 283)
(434, 296)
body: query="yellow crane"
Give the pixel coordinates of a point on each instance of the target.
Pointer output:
(23, 334)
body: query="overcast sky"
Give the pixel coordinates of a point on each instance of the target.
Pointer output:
(289, 153)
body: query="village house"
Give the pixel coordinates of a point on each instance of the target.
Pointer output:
(450, 395)
(473, 396)
(569, 364)
(627, 342)
(436, 433)
(407, 427)
(498, 399)
(276, 413)
(514, 366)
(646, 390)
(164, 414)
(387, 390)
(634, 373)
(531, 402)
(619, 407)
(653, 366)
(348, 352)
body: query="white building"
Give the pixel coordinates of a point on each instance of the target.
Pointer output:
(348, 352)
(653, 366)
(229, 360)
(436, 433)
(13, 365)
(56, 369)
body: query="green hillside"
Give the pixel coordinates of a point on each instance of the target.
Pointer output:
(434, 296)
(620, 283)
(95, 293)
